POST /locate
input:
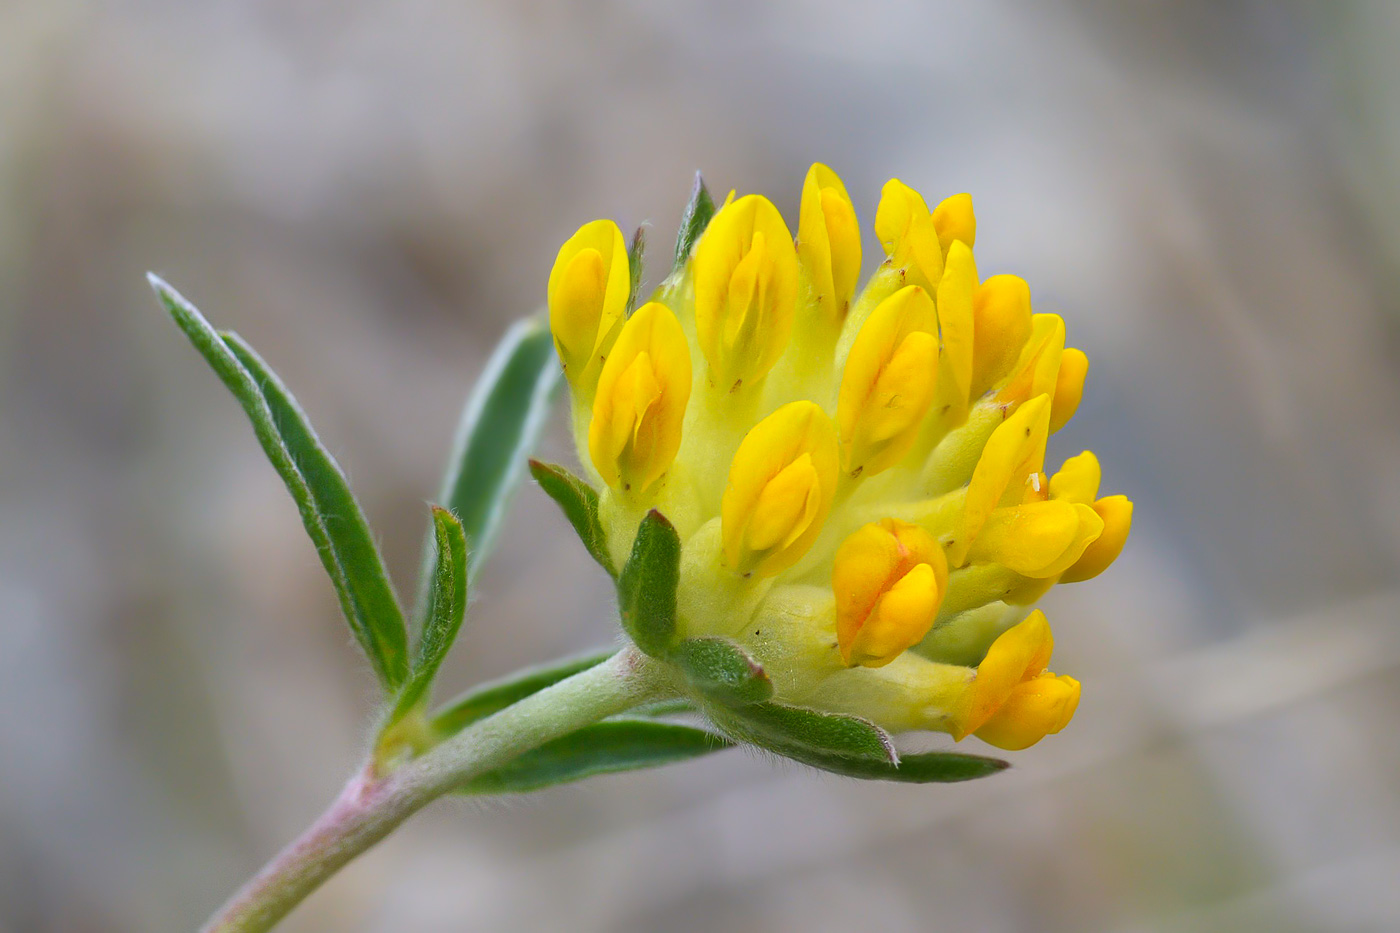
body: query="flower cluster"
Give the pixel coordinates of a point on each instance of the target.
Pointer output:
(858, 479)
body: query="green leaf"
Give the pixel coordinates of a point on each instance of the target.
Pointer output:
(447, 606)
(603, 748)
(798, 732)
(694, 221)
(634, 263)
(722, 671)
(328, 509)
(580, 504)
(483, 700)
(646, 588)
(923, 768)
(500, 424)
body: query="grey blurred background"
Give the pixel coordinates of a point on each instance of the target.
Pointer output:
(371, 191)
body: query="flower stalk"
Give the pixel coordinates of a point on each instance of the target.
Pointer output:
(371, 806)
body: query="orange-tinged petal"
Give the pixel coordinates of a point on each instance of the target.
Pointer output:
(1117, 515)
(1069, 387)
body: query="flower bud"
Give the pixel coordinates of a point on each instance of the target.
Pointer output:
(908, 234)
(1014, 702)
(956, 324)
(588, 289)
(954, 220)
(745, 270)
(889, 578)
(641, 399)
(828, 240)
(888, 382)
(1001, 312)
(781, 485)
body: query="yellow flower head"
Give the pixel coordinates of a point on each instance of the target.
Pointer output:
(889, 578)
(866, 510)
(745, 270)
(588, 289)
(640, 405)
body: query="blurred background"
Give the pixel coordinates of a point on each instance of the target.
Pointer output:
(370, 191)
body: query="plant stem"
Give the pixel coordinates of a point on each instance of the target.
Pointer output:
(371, 806)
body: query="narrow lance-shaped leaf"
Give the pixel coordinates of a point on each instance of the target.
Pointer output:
(798, 732)
(697, 216)
(580, 504)
(447, 605)
(500, 424)
(922, 768)
(646, 588)
(329, 511)
(603, 748)
(483, 700)
(722, 671)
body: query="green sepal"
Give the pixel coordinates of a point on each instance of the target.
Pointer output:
(646, 588)
(603, 748)
(800, 733)
(634, 266)
(698, 213)
(500, 425)
(580, 504)
(721, 671)
(329, 511)
(483, 700)
(921, 768)
(447, 606)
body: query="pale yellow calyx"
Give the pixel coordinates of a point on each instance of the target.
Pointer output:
(1001, 312)
(588, 289)
(908, 234)
(1014, 452)
(781, 485)
(1014, 701)
(828, 241)
(889, 578)
(640, 403)
(888, 382)
(745, 271)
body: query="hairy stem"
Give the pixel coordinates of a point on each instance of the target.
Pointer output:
(371, 806)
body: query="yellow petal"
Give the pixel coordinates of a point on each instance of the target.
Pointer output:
(955, 220)
(745, 270)
(1036, 708)
(888, 382)
(955, 323)
(639, 407)
(588, 289)
(1117, 515)
(1037, 370)
(828, 240)
(1037, 539)
(794, 451)
(889, 578)
(1069, 387)
(1001, 312)
(1015, 450)
(1078, 480)
(908, 234)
